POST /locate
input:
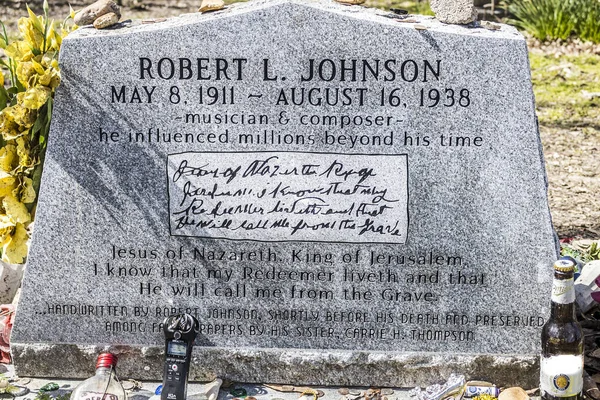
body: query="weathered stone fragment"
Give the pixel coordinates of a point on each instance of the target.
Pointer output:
(351, 2)
(211, 5)
(90, 13)
(106, 20)
(454, 11)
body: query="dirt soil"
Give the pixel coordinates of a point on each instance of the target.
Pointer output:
(571, 147)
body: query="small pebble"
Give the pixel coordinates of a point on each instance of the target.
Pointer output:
(343, 391)
(490, 25)
(387, 392)
(90, 13)
(420, 27)
(106, 20)
(320, 393)
(153, 20)
(211, 5)
(351, 2)
(355, 393)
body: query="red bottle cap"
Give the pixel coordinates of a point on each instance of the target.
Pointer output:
(106, 360)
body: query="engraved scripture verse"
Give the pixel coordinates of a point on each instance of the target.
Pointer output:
(289, 196)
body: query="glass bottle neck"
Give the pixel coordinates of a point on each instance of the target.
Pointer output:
(563, 297)
(104, 370)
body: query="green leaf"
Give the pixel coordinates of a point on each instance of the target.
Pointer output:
(4, 98)
(40, 121)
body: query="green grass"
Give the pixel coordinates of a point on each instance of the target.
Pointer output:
(560, 85)
(558, 19)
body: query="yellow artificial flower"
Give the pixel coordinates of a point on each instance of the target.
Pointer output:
(21, 115)
(25, 159)
(36, 22)
(28, 194)
(16, 210)
(5, 224)
(32, 36)
(7, 184)
(19, 51)
(46, 78)
(25, 71)
(38, 67)
(8, 154)
(9, 129)
(34, 98)
(16, 247)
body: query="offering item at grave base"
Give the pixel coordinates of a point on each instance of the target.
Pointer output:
(561, 375)
(474, 390)
(180, 331)
(104, 384)
(454, 385)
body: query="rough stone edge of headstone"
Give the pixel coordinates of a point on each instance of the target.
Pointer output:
(356, 12)
(299, 367)
(543, 161)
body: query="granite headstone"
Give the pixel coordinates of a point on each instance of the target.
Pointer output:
(340, 198)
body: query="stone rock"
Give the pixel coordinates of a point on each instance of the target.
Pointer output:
(408, 169)
(90, 13)
(513, 393)
(351, 2)
(454, 11)
(490, 25)
(211, 5)
(106, 20)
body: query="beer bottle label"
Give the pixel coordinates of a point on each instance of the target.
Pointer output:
(563, 291)
(561, 376)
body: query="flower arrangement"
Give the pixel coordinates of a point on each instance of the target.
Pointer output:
(29, 75)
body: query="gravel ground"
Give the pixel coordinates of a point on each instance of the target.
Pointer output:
(573, 167)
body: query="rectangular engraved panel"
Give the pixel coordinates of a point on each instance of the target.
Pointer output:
(289, 196)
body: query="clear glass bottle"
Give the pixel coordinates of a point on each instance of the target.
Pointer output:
(104, 385)
(561, 367)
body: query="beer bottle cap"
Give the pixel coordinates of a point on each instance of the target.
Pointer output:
(564, 265)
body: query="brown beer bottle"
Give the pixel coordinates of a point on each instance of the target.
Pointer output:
(561, 367)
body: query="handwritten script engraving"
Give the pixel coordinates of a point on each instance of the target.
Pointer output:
(289, 196)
